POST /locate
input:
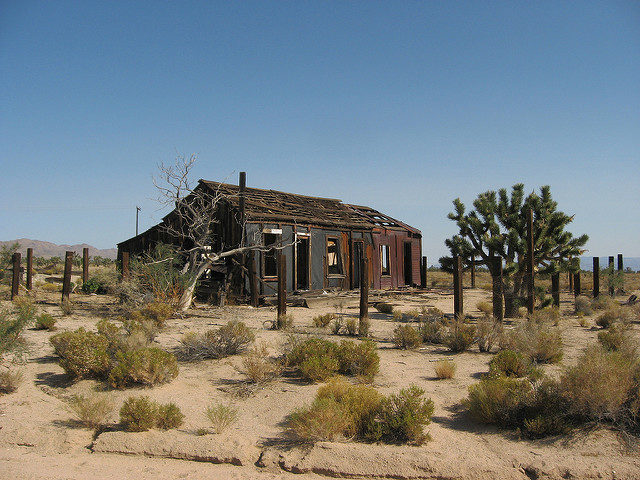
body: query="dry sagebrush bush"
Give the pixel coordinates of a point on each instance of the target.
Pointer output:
(229, 339)
(617, 313)
(221, 416)
(82, 353)
(485, 307)
(541, 343)
(45, 321)
(139, 414)
(352, 326)
(488, 332)
(582, 305)
(432, 330)
(614, 337)
(146, 366)
(445, 369)
(66, 307)
(546, 316)
(460, 337)
(402, 417)
(406, 337)
(322, 321)
(511, 364)
(384, 307)
(10, 380)
(93, 411)
(359, 359)
(25, 309)
(258, 367)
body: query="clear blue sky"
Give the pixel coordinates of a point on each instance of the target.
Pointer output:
(402, 106)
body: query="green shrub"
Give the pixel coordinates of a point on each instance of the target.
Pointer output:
(11, 332)
(95, 285)
(499, 400)
(384, 307)
(460, 337)
(221, 416)
(25, 309)
(337, 326)
(139, 414)
(445, 369)
(358, 359)
(93, 411)
(227, 340)
(402, 417)
(321, 321)
(325, 419)
(45, 321)
(406, 337)
(82, 353)
(510, 364)
(169, 416)
(318, 368)
(146, 366)
(158, 312)
(10, 380)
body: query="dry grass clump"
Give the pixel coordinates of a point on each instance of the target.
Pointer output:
(25, 309)
(317, 359)
(258, 367)
(10, 380)
(615, 337)
(322, 321)
(488, 332)
(540, 342)
(616, 313)
(460, 336)
(546, 315)
(603, 302)
(66, 307)
(352, 326)
(409, 316)
(145, 366)
(45, 321)
(11, 332)
(229, 339)
(384, 307)
(93, 411)
(485, 307)
(582, 306)
(445, 369)
(221, 416)
(342, 410)
(139, 414)
(406, 337)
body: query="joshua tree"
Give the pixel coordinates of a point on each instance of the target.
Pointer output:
(497, 226)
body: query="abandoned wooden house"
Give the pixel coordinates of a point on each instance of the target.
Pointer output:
(324, 241)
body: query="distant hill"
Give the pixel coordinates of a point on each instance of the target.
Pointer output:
(48, 249)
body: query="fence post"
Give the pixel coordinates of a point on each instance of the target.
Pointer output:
(85, 265)
(29, 268)
(15, 278)
(612, 289)
(473, 272)
(530, 263)
(66, 279)
(621, 270)
(423, 272)
(458, 307)
(497, 288)
(596, 277)
(125, 265)
(555, 289)
(364, 293)
(282, 288)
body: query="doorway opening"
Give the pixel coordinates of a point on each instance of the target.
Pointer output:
(408, 277)
(302, 262)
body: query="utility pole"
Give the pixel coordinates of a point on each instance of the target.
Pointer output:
(137, 210)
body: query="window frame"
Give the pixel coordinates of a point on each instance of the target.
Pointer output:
(339, 262)
(385, 272)
(271, 251)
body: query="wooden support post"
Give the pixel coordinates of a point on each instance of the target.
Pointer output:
(15, 278)
(458, 307)
(571, 281)
(85, 265)
(497, 288)
(612, 290)
(555, 289)
(576, 283)
(531, 298)
(253, 279)
(66, 279)
(125, 265)
(364, 294)
(596, 277)
(423, 272)
(473, 272)
(621, 270)
(282, 288)
(29, 268)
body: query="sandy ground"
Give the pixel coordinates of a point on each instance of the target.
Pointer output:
(39, 438)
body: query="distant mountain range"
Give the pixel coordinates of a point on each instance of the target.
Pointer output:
(48, 249)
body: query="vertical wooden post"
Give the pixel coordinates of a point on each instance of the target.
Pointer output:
(15, 278)
(125, 265)
(423, 272)
(571, 281)
(497, 288)
(253, 279)
(458, 307)
(621, 270)
(29, 268)
(473, 272)
(596, 277)
(364, 288)
(66, 279)
(576, 283)
(530, 263)
(85, 265)
(282, 287)
(555, 289)
(612, 290)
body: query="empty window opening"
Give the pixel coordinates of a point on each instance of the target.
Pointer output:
(271, 256)
(334, 265)
(384, 260)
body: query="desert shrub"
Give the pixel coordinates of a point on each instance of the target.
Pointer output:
(599, 384)
(460, 337)
(406, 337)
(603, 302)
(319, 368)
(402, 417)
(384, 307)
(541, 343)
(337, 326)
(10, 380)
(546, 316)
(499, 400)
(352, 326)
(358, 359)
(321, 321)
(52, 287)
(66, 307)
(139, 414)
(360, 402)
(11, 332)
(145, 366)
(258, 367)
(158, 312)
(582, 305)
(432, 330)
(445, 369)
(221, 416)
(82, 353)
(45, 321)
(25, 309)
(227, 340)
(283, 322)
(614, 337)
(95, 285)
(485, 307)
(169, 416)
(510, 364)
(93, 411)
(487, 333)
(614, 314)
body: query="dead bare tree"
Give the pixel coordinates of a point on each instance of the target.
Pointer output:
(193, 223)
